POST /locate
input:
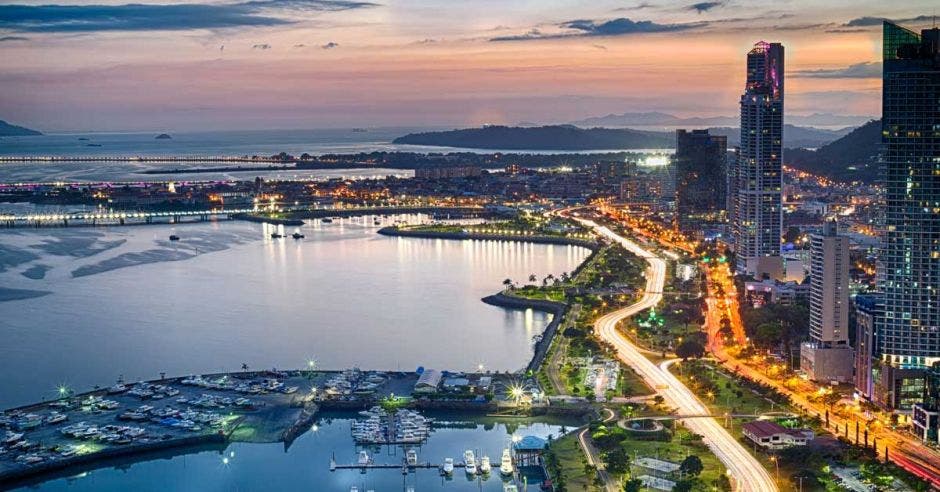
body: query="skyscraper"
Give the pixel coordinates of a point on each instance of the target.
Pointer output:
(909, 261)
(756, 180)
(827, 355)
(909, 266)
(700, 163)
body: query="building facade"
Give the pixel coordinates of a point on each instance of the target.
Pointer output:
(909, 261)
(756, 178)
(701, 175)
(868, 307)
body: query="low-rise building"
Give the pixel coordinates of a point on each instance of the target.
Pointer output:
(771, 435)
(428, 381)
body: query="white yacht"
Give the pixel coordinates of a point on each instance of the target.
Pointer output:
(470, 462)
(448, 465)
(411, 457)
(485, 466)
(505, 464)
(510, 488)
(364, 458)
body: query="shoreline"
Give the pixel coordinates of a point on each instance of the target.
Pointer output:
(395, 231)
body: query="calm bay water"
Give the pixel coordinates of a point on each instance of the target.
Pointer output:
(83, 306)
(227, 143)
(305, 466)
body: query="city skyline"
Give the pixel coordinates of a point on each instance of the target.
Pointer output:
(319, 63)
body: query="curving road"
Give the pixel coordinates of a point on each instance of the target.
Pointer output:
(745, 470)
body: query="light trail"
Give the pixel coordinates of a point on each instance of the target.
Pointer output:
(748, 474)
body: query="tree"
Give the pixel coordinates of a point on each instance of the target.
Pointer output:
(658, 399)
(690, 348)
(508, 283)
(722, 483)
(533, 278)
(691, 465)
(634, 485)
(618, 461)
(683, 486)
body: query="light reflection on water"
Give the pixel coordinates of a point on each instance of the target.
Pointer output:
(343, 295)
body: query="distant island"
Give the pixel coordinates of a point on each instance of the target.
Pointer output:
(572, 138)
(560, 137)
(163, 136)
(8, 130)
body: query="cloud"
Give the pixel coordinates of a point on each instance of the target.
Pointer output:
(599, 46)
(151, 17)
(262, 46)
(588, 28)
(876, 21)
(6, 39)
(864, 70)
(704, 6)
(301, 45)
(330, 45)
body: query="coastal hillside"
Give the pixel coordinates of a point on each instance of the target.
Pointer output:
(562, 137)
(8, 130)
(567, 137)
(853, 157)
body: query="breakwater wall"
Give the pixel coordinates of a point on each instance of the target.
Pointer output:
(358, 211)
(107, 457)
(396, 231)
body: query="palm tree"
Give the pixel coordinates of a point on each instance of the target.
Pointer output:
(533, 278)
(245, 366)
(508, 283)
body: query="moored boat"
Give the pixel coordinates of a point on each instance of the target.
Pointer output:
(505, 464)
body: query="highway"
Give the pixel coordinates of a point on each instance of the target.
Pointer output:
(746, 472)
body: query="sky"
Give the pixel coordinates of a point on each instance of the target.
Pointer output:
(110, 65)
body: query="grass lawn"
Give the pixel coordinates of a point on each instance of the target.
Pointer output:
(571, 459)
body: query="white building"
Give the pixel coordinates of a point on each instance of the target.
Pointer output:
(828, 356)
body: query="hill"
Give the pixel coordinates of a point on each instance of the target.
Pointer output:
(560, 137)
(568, 137)
(853, 157)
(8, 130)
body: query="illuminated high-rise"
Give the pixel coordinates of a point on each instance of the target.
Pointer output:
(909, 260)
(700, 164)
(755, 183)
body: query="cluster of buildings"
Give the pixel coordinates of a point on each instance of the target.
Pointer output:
(896, 359)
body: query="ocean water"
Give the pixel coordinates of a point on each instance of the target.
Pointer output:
(229, 144)
(83, 306)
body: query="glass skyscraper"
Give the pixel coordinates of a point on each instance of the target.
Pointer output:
(700, 163)
(909, 267)
(755, 183)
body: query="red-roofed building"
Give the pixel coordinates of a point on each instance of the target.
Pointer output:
(771, 435)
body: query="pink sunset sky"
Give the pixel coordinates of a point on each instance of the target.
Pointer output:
(267, 64)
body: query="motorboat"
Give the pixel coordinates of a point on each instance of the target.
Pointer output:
(174, 237)
(470, 462)
(297, 235)
(411, 457)
(485, 466)
(510, 488)
(448, 467)
(505, 464)
(121, 388)
(364, 458)
(56, 417)
(12, 437)
(326, 220)
(275, 235)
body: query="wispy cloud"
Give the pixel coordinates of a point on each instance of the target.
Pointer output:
(876, 21)
(702, 7)
(7, 39)
(261, 46)
(330, 45)
(588, 28)
(151, 17)
(865, 70)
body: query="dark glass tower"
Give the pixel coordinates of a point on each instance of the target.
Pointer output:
(909, 267)
(757, 208)
(700, 164)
